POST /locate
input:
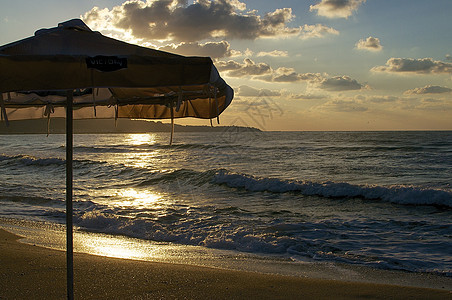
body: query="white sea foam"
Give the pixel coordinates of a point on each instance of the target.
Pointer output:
(314, 240)
(394, 194)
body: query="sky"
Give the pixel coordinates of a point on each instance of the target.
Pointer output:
(293, 65)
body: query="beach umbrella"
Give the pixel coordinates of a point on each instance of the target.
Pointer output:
(73, 72)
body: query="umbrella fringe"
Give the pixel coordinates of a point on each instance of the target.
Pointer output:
(93, 89)
(49, 109)
(94, 104)
(3, 114)
(217, 105)
(210, 110)
(116, 115)
(172, 123)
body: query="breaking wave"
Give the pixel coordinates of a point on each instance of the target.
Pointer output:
(394, 194)
(211, 227)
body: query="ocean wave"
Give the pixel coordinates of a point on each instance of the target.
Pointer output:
(175, 226)
(406, 195)
(395, 194)
(28, 160)
(319, 240)
(182, 176)
(32, 200)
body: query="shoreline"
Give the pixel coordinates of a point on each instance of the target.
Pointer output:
(28, 271)
(53, 236)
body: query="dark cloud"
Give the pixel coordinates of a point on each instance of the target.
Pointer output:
(429, 89)
(204, 19)
(340, 83)
(214, 50)
(416, 66)
(369, 44)
(336, 8)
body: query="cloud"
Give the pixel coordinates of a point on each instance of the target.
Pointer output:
(429, 104)
(369, 44)
(316, 31)
(247, 91)
(344, 106)
(248, 52)
(176, 20)
(431, 100)
(448, 57)
(336, 8)
(307, 97)
(249, 67)
(340, 83)
(214, 50)
(263, 71)
(428, 89)
(416, 66)
(284, 74)
(276, 53)
(375, 99)
(382, 99)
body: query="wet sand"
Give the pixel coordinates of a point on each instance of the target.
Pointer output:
(31, 272)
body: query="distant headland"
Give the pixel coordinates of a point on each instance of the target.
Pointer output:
(57, 125)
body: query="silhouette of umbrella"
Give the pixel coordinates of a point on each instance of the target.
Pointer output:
(71, 71)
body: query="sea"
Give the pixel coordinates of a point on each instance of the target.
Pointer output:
(252, 200)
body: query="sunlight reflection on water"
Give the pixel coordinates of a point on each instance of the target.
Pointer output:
(140, 139)
(114, 247)
(137, 199)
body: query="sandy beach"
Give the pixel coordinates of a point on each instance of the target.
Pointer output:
(31, 272)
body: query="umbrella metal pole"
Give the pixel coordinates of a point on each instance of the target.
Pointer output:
(69, 231)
